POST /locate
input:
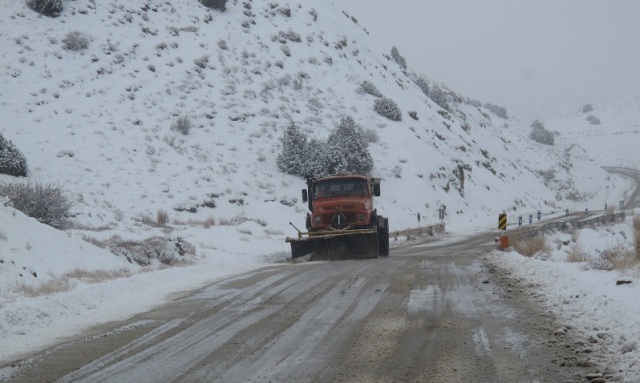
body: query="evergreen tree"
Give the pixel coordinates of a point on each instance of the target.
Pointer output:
(437, 95)
(292, 158)
(315, 158)
(541, 134)
(386, 107)
(51, 8)
(422, 83)
(12, 161)
(215, 4)
(348, 150)
(398, 58)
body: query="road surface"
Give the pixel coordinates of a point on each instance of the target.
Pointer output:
(429, 313)
(634, 199)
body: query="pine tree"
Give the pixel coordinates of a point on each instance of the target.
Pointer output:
(292, 158)
(437, 95)
(423, 84)
(398, 58)
(215, 4)
(315, 164)
(12, 161)
(51, 8)
(541, 134)
(348, 150)
(386, 107)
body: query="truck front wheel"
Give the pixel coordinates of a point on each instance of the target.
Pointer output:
(383, 236)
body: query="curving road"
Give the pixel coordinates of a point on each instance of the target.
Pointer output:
(429, 313)
(634, 200)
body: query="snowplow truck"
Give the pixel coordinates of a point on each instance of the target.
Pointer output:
(342, 222)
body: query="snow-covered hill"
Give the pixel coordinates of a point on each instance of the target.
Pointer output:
(609, 132)
(98, 122)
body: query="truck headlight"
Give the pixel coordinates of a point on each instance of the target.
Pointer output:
(317, 219)
(362, 217)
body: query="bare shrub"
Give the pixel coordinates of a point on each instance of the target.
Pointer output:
(619, 258)
(201, 61)
(75, 41)
(528, 246)
(593, 119)
(45, 202)
(371, 135)
(182, 124)
(167, 250)
(369, 88)
(210, 221)
(587, 108)
(234, 221)
(162, 217)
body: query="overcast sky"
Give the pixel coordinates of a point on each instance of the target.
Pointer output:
(539, 59)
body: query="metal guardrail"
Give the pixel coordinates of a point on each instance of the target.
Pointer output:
(419, 231)
(561, 225)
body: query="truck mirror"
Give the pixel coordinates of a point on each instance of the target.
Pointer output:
(376, 189)
(305, 197)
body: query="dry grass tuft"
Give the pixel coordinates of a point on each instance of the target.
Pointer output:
(619, 258)
(66, 281)
(210, 221)
(528, 246)
(162, 217)
(54, 286)
(207, 223)
(576, 254)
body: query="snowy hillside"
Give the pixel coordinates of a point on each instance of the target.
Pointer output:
(98, 121)
(610, 132)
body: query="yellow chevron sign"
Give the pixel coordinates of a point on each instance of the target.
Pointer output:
(502, 221)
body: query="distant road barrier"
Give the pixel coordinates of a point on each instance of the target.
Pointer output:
(579, 223)
(419, 231)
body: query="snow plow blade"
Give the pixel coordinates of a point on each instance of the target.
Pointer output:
(360, 244)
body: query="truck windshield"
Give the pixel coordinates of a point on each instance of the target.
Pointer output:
(340, 187)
